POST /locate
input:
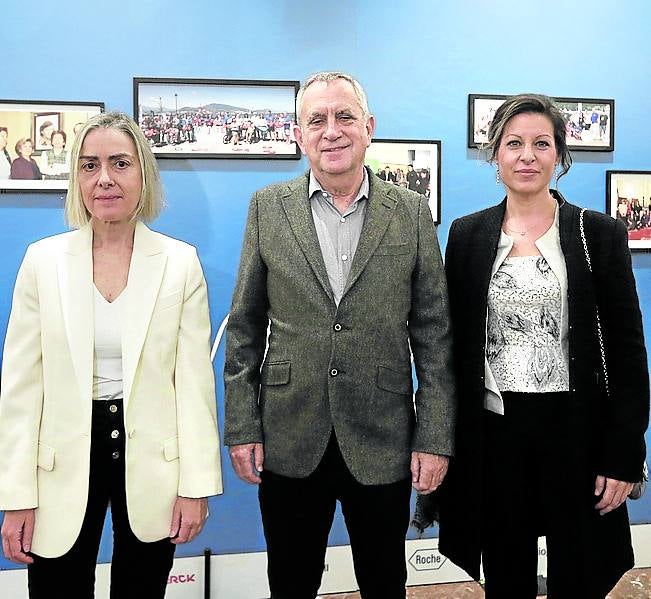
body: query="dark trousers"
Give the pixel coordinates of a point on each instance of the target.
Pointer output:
(138, 569)
(537, 481)
(297, 514)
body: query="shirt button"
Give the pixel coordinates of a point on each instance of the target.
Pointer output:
(344, 257)
(342, 220)
(324, 194)
(334, 372)
(113, 408)
(337, 327)
(115, 455)
(115, 434)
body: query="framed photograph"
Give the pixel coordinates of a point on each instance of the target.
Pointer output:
(44, 124)
(411, 163)
(589, 123)
(35, 142)
(628, 198)
(217, 118)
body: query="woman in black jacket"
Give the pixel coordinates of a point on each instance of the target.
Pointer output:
(542, 448)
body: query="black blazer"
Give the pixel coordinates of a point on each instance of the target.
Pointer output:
(614, 427)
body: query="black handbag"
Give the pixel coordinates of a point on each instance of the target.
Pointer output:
(639, 487)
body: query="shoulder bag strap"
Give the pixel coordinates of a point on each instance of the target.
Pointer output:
(599, 333)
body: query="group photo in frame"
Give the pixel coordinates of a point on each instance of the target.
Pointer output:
(628, 198)
(217, 118)
(589, 123)
(414, 164)
(36, 140)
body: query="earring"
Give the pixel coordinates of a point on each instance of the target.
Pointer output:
(498, 179)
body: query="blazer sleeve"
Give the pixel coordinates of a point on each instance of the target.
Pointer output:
(430, 338)
(21, 399)
(199, 447)
(246, 336)
(626, 414)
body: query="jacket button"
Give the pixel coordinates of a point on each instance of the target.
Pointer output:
(115, 455)
(115, 434)
(113, 408)
(337, 327)
(334, 372)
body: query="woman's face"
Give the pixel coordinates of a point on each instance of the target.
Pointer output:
(46, 134)
(527, 155)
(26, 149)
(57, 141)
(109, 175)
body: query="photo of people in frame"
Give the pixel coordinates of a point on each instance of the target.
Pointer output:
(628, 198)
(413, 164)
(217, 118)
(35, 142)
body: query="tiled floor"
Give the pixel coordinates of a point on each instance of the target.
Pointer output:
(636, 584)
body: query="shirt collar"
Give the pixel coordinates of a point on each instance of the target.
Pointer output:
(314, 186)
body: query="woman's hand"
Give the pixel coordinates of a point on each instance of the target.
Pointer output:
(17, 531)
(188, 518)
(614, 493)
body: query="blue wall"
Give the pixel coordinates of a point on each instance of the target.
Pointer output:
(418, 61)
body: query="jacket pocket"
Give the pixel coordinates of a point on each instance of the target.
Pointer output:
(171, 448)
(45, 459)
(275, 373)
(394, 382)
(392, 249)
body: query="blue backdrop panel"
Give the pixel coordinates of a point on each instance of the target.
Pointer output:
(418, 61)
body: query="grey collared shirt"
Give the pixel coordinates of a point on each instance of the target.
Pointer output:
(338, 233)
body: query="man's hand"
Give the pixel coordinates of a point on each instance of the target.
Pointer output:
(427, 471)
(17, 531)
(247, 460)
(188, 518)
(614, 492)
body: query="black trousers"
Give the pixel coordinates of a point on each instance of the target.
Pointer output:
(537, 481)
(138, 569)
(297, 515)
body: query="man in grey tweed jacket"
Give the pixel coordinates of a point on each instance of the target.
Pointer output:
(341, 274)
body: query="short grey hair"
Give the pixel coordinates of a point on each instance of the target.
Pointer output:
(151, 201)
(326, 77)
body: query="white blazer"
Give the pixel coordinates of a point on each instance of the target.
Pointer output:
(172, 444)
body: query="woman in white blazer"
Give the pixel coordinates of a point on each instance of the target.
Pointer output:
(107, 384)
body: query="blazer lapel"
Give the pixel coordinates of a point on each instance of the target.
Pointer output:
(297, 208)
(379, 212)
(486, 241)
(75, 275)
(145, 276)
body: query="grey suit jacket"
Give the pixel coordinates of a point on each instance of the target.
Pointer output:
(343, 367)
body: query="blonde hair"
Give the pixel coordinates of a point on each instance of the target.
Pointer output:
(151, 201)
(326, 77)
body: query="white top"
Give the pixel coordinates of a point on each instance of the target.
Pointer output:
(107, 359)
(549, 246)
(523, 345)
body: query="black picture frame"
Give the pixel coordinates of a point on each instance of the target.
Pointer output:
(628, 198)
(217, 118)
(23, 120)
(590, 121)
(423, 154)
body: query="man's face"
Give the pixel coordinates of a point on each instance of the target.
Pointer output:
(334, 133)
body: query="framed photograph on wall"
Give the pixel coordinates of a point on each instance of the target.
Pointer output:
(35, 142)
(410, 163)
(217, 118)
(628, 198)
(589, 123)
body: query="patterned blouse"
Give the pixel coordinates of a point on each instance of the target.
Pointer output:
(524, 327)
